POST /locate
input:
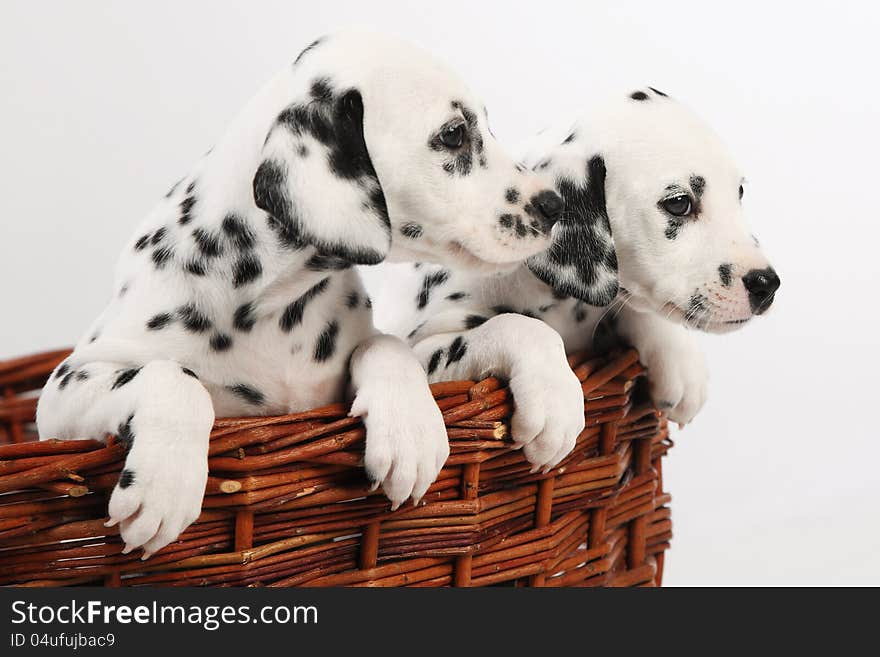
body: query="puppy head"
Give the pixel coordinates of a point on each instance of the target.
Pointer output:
(675, 206)
(384, 152)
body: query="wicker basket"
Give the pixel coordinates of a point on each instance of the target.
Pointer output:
(287, 502)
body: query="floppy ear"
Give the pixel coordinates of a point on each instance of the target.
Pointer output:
(317, 181)
(581, 261)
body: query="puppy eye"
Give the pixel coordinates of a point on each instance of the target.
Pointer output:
(677, 206)
(740, 192)
(452, 136)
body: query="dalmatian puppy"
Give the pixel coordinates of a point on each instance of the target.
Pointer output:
(647, 170)
(237, 295)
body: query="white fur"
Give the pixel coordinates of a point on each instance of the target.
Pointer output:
(180, 309)
(646, 147)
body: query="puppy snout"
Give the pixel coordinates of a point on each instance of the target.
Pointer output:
(550, 205)
(761, 285)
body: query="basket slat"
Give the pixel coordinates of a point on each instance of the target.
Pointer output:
(287, 502)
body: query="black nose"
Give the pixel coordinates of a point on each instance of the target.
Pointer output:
(762, 285)
(550, 204)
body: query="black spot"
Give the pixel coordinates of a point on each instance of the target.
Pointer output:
(673, 226)
(302, 151)
(158, 236)
(67, 377)
(288, 235)
(196, 267)
(457, 350)
(582, 249)
(314, 44)
(543, 164)
(321, 90)
(658, 92)
(192, 319)
(520, 227)
(247, 393)
(457, 296)
(63, 369)
(126, 478)
(82, 375)
(322, 262)
(579, 311)
(159, 321)
(237, 230)
(208, 243)
(293, 314)
(124, 433)
(125, 376)
(220, 342)
(246, 270)
(189, 372)
(368, 303)
(411, 230)
(325, 346)
(353, 299)
(244, 319)
(724, 273)
(123, 290)
(697, 305)
(460, 160)
(161, 256)
(569, 139)
(413, 333)
(506, 220)
(430, 281)
(503, 309)
(511, 195)
(698, 184)
(639, 95)
(473, 321)
(435, 361)
(142, 242)
(186, 205)
(335, 120)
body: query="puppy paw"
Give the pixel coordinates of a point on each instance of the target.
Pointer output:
(548, 410)
(406, 442)
(159, 493)
(679, 379)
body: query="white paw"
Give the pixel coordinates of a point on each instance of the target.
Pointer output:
(679, 380)
(548, 410)
(160, 490)
(406, 438)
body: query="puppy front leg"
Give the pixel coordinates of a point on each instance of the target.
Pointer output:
(548, 400)
(406, 436)
(164, 415)
(677, 371)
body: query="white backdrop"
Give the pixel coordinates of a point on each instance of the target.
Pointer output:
(103, 105)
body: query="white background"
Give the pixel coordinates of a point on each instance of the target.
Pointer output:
(104, 105)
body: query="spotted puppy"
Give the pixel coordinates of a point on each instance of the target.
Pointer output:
(237, 295)
(647, 170)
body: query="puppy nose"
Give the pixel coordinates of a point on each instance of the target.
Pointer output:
(550, 204)
(761, 285)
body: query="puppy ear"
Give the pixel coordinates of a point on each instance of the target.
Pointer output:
(317, 182)
(581, 261)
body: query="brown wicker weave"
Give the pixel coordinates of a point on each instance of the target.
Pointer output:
(287, 502)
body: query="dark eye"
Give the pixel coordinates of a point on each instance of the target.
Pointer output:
(677, 206)
(452, 136)
(740, 192)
